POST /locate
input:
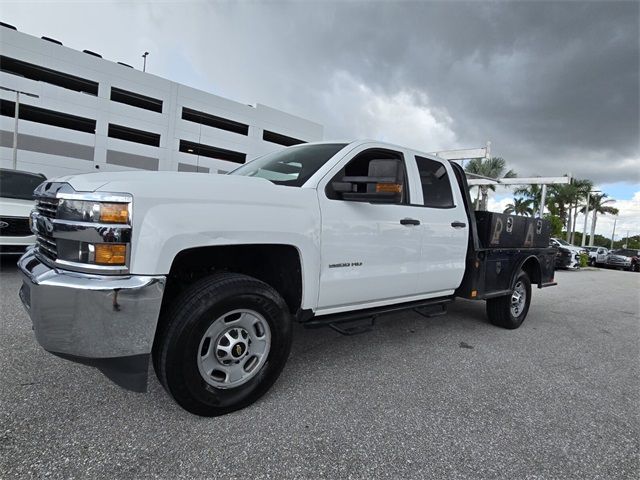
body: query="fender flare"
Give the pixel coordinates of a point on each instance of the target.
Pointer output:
(537, 269)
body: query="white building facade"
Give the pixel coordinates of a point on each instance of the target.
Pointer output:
(91, 114)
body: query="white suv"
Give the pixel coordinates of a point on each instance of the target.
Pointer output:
(16, 203)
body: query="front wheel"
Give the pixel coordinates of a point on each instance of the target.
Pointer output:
(224, 343)
(510, 311)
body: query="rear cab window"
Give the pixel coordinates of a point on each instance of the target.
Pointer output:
(436, 184)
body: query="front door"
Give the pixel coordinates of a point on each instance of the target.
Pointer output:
(370, 253)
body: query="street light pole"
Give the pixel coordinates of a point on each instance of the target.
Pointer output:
(16, 116)
(613, 235)
(15, 132)
(144, 64)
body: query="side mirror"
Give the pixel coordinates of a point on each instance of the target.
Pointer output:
(383, 184)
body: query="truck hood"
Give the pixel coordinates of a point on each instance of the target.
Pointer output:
(176, 185)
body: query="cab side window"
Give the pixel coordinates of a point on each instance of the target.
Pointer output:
(436, 187)
(367, 164)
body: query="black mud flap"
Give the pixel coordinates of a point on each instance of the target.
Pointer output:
(129, 373)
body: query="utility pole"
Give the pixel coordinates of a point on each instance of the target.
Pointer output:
(613, 235)
(144, 64)
(16, 116)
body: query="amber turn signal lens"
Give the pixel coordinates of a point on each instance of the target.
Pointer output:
(114, 212)
(110, 254)
(388, 188)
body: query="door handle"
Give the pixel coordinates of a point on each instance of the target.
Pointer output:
(458, 224)
(409, 221)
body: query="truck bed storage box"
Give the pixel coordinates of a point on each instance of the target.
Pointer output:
(538, 233)
(500, 230)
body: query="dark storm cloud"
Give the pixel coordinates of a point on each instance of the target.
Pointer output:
(553, 85)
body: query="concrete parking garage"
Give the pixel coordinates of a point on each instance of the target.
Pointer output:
(449, 396)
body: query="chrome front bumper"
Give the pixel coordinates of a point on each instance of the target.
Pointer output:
(105, 321)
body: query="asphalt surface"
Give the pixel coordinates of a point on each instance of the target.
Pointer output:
(449, 396)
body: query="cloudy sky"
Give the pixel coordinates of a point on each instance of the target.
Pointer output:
(553, 85)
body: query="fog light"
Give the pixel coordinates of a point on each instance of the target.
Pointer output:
(110, 254)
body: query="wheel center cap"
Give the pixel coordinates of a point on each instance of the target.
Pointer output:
(238, 349)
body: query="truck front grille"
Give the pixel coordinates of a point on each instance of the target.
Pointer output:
(15, 227)
(47, 246)
(47, 207)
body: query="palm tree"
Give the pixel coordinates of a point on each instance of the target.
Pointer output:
(520, 206)
(598, 204)
(583, 187)
(490, 167)
(563, 199)
(533, 193)
(558, 198)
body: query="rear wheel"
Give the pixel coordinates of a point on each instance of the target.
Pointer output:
(510, 311)
(224, 343)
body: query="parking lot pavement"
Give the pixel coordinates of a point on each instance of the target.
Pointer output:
(449, 396)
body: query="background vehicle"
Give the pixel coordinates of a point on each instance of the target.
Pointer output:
(624, 258)
(207, 273)
(576, 251)
(597, 255)
(564, 258)
(16, 203)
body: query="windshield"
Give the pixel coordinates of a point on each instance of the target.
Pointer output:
(627, 253)
(19, 185)
(292, 166)
(562, 242)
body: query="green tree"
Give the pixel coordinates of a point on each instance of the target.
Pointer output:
(556, 224)
(520, 206)
(563, 201)
(583, 187)
(533, 193)
(598, 205)
(494, 167)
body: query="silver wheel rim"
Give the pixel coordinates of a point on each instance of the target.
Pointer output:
(518, 299)
(234, 348)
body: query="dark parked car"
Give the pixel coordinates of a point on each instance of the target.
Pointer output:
(564, 257)
(625, 258)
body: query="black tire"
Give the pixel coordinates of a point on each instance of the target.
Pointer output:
(177, 344)
(592, 262)
(499, 309)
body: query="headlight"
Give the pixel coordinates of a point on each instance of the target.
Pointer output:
(87, 232)
(90, 211)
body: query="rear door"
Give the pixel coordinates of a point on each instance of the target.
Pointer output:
(445, 226)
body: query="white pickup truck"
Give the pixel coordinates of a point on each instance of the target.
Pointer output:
(205, 274)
